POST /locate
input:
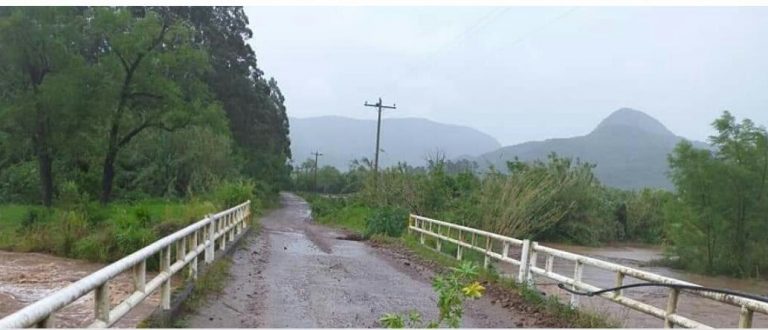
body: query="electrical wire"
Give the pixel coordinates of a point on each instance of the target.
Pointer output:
(666, 285)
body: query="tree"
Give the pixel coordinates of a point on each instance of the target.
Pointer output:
(154, 71)
(41, 68)
(253, 104)
(722, 199)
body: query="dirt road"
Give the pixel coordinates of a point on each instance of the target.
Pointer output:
(297, 274)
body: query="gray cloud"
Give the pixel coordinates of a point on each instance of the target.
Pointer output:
(519, 73)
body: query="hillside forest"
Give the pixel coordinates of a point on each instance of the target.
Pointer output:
(711, 222)
(120, 124)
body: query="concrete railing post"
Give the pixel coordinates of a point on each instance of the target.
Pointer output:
(671, 307)
(577, 272)
(745, 317)
(487, 259)
(210, 243)
(522, 275)
(165, 267)
(459, 247)
(532, 256)
(102, 303)
(193, 263)
(140, 276)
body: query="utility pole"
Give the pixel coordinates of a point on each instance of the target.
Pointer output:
(314, 185)
(379, 106)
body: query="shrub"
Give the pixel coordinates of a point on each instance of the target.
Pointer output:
(33, 219)
(232, 193)
(387, 221)
(70, 195)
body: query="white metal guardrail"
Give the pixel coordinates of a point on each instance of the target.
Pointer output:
(494, 246)
(201, 237)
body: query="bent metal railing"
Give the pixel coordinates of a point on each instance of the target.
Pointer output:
(201, 237)
(490, 244)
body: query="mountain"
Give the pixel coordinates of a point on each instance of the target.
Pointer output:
(410, 140)
(629, 149)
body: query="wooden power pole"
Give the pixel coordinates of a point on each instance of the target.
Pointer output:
(378, 106)
(314, 184)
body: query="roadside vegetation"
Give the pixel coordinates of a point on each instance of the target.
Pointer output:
(711, 223)
(120, 125)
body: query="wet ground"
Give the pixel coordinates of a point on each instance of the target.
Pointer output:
(297, 274)
(28, 277)
(694, 307)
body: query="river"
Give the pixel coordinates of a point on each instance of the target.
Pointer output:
(692, 306)
(28, 277)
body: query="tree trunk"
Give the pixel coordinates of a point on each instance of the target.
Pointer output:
(44, 159)
(108, 176)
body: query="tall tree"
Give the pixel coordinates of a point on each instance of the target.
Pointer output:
(254, 105)
(40, 62)
(722, 198)
(155, 73)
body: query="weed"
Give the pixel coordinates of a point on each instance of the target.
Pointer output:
(388, 221)
(452, 289)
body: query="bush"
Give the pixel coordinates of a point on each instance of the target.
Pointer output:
(20, 183)
(387, 221)
(323, 206)
(70, 195)
(33, 219)
(232, 193)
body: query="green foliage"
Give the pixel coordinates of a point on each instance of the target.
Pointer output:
(387, 221)
(452, 289)
(339, 212)
(162, 101)
(19, 183)
(95, 232)
(554, 200)
(716, 222)
(230, 194)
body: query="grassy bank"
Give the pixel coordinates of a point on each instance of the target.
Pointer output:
(90, 231)
(345, 214)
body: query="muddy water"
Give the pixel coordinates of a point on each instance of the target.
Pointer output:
(28, 277)
(700, 309)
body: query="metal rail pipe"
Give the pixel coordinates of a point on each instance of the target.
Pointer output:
(40, 313)
(528, 268)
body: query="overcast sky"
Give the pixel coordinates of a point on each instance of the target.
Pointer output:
(519, 73)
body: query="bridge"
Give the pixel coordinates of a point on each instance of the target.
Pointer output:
(298, 274)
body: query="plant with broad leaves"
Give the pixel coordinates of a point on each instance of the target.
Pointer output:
(452, 290)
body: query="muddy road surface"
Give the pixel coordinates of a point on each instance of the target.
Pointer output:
(297, 274)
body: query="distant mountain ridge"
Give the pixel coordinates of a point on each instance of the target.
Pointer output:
(410, 140)
(629, 149)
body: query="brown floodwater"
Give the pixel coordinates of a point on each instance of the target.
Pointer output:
(700, 309)
(28, 277)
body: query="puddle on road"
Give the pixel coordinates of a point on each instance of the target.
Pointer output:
(28, 277)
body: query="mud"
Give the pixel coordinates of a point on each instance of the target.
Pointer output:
(298, 274)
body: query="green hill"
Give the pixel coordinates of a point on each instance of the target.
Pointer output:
(629, 149)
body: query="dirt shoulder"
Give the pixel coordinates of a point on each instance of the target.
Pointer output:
(502, 300)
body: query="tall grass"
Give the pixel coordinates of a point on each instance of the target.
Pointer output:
(87, 230)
